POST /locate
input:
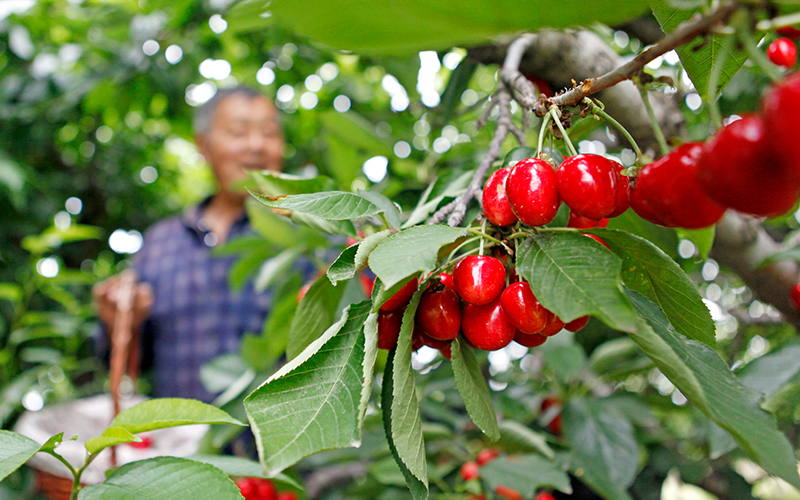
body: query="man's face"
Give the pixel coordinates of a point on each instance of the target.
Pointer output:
(245, 134)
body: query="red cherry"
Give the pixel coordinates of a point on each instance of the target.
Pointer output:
(739, 169)
(145, 443)
(439, 313)
(447, 280)
(532, 192)
(581, 222)
(782, 52)
(416, 338)
(599, 240)
(788, 32)
(495, 202)
(589, 185)
(667, 192)
(470, 471)
(544, 496)
(529, 340)
(542, 85)
(266, 490)
(389, 323)
(549, 402)
(522, 308)
(486, 327)
(577, 324)
(507, 493)
(402, 297)
(367, 284)
(795, 294)
(442, 345)
(623, 193)
(479, 279)
(780, 107)
(247, 487)
(486, 455)
(288, 495)
(553, 326)
(555, 425)
(350, 241)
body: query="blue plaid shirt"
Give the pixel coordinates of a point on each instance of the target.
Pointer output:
(196, 316)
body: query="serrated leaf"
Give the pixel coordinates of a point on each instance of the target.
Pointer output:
(390, 210)
(702, 239)
(354, 257)
(769, 372)
(473, 389)
(278, 183)
(573, 275)
(603, 446)
(649, 271)
(15, 450)
(242, 467)
(170, 412)
(328, 205)
(407, 27)
(340, 227)
(564, 356)
(410, 251)
(111, 436)
(418, 489)
(698, 57)
(164, 478)
(525, 474)
(314, 402)
(315, 313)
(704, 378)
(515, 437)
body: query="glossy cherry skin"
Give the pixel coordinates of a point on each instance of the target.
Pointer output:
(581, 222)
(589, 185)
(529, 340)
(599, 240)
(470, 471)
(795, 295)
(439, 313)
(389, 323)
(531, 190)
(782, 52)
(577, 324)
(667, 192)
(495, 203)
(442, 345)
(479, 279)
(623, 193)
(447, 280)
(402, 297)
(553, 326)
(544, 496)
(781, 106)
(486, 327)
(738, 169)
(522, 308)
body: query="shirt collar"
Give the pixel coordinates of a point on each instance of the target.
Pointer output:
(192, 218)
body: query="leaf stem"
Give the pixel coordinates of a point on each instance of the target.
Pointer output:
(662, 142)
(485, 236)
(598, 110)
(542, 133)
(567, 142)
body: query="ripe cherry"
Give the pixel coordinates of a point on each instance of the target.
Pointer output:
(522, 308)
(780, 107)
(288, 495)
(589, 185)
(470, 471)
(402, 297)
(532, 192)
(555, 423)
(486, 327)
(486, 455)
(739, 170)
(788, 32)
(145, 443)
(507, 493)
(598, 239)
(529, 340)
(544, 496)
(667, 192)
(479, 279)
(495, 202)
(553, 326)
(439, 313)
(442, 345)
(541, 84)
(795, 294)
(389, 323)
(623, 193)
(577, 324)
(782, 52)
(581, 222)
(447, 280)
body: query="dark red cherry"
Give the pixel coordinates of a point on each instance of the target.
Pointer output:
(447, 280)
(788, 32)
(529, 340)
(486, 327)
(495, 202)
(780, 107)
(532, 192)
(577, 324)
(553, 326)
(389, 323)
(439, 313)
(589, 185)
(479, 279)
(522, 308)
(402, 297)
(623, 193)
(581, 222)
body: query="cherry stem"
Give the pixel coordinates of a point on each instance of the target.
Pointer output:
(662, 142)
(542, 133)
(713, 82)
(556, 118)
(483, 233)
(459, 247)
(485, 236)
(599, 111)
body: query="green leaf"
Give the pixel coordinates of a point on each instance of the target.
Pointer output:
(390, 210)
(315, 401)
(418, 488)
(242, 467)
(315, 313)
(54, 238)
(425, 206)
(663, 237)
(354, 258)
(525, 474)
(649, 271)
(703, 239)
(410, 251)
(407, 27)
(164, 478)
(515, 437)
(111, 436)
(405, 420)
(771, 371)
(698, 57)
(341, 227)
(473, 389)
(11, 292)
(170, 412)
(15, 450)
(564, 356)
(279, 230)
(573, 276)
(275, 268)
(704, 378)
(328, 205)
(603, 446)
(277, 183)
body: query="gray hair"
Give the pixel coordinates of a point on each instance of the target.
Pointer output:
(204, 114)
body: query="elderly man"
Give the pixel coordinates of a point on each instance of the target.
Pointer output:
(188, 313)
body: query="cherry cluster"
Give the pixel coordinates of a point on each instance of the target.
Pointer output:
(749, 166)
(473, 300)
(470, 471)
(254, 488)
